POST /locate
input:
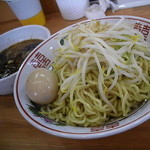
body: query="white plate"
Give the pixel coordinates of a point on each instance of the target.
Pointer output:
(43, 55)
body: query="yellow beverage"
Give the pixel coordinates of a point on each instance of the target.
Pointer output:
(37, 19)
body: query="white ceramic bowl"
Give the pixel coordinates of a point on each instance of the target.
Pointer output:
(50, 126)
(14, 36)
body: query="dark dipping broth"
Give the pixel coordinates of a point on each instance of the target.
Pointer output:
(12, 57)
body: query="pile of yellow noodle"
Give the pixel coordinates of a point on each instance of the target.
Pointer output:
(103, 71)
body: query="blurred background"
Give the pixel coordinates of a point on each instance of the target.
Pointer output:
(6, 14)
(8, 20)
